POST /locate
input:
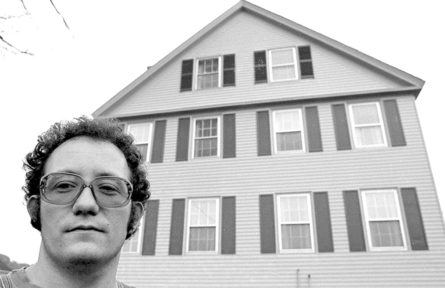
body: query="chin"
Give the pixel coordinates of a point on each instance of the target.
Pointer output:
(91, 254)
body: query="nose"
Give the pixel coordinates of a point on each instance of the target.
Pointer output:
(86, 203)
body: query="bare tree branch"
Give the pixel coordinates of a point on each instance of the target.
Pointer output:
(10, 47)
(66, 24)
(24, 7)
(14, 49)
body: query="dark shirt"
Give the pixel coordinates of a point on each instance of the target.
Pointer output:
(19, 279)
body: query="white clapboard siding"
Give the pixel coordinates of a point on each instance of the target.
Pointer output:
(247, 176)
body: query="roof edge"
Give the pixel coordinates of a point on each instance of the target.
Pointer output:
(327, 97)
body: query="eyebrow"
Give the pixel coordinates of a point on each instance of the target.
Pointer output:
(95, 176)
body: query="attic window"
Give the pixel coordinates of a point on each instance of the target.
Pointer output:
(282, 64)
(209, 73)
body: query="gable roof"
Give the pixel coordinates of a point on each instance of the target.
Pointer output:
(413, 83)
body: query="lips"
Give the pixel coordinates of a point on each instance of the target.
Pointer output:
(85, 228)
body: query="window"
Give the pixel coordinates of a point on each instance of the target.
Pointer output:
(295, 223)
(206, 137)
(288, 130)
(367, 125)
(203, 224)
(142, 136)
(383, 220)
(281, 64)
(132, 245)
(208, 73)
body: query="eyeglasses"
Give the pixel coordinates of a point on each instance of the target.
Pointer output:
(64, 188)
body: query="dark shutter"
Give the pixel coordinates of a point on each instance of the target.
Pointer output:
(182, 143)
(229, 136)
(263, 133)
(187, 75)
(229, 70)
(228, 226)
(394, 122)
(150, 227)
(157, 153)
(323, 222)
(313, 129)
(341, 127)
(354, 221)
(306, 69)
(414, 219)
(177, 227)
(260, 67)
(267, 224)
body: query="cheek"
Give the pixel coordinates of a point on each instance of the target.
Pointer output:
(119, 222)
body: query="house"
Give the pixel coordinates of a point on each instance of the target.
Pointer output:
(279, 157)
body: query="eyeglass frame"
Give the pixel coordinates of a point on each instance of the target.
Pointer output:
(84, 185)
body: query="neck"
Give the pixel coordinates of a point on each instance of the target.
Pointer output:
(49, 272)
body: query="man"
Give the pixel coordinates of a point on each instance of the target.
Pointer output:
(86, 190)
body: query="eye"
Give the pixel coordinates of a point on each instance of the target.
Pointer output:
(108, 189)
(63, 187)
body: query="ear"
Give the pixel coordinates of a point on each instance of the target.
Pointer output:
(33, 207)
(139, 210)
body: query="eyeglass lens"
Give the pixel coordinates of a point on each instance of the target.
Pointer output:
(60, 188)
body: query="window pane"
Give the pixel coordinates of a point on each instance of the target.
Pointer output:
(372, 135)
(206, 147)
(365, 114)
(296, 236)
(203, 213)
(381, 205)
(289, 141)
(208, 81)
(140, 132)
(294, 209)
(283, 72)
(282, 57)
(287, 120)
(202, 239)
(386, 233)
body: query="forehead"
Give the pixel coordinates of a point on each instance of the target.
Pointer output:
(89, 158)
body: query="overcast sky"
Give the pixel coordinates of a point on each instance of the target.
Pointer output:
(110, 43)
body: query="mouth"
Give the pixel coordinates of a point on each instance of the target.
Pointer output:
(85, 229)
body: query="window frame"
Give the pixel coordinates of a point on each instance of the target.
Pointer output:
(302, 130)
(310, 222)
(368, 221)
(381, 124)
(220, 71)
(149, 140)
(138, 241)
(218, 137)
(271, 65)
(217, 224)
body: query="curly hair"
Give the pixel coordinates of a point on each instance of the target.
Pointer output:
(98, 129)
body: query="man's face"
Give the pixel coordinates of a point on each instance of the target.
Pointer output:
(83, 232)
